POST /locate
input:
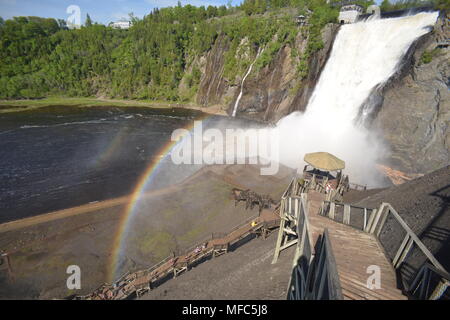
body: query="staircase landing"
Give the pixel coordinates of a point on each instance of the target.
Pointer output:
(354, 252)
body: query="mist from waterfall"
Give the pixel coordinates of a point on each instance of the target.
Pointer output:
(364, 56)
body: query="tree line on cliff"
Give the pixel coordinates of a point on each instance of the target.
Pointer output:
(41, 57)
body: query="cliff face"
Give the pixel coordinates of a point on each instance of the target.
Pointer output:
(271, 92)
(411, 112)
(213, 85)
(414, 111)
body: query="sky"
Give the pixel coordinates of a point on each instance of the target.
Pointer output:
(102, 11)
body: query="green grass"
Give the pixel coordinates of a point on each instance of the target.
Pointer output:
(159, 244)
(428, 55)
(192, 235)
(23, 105)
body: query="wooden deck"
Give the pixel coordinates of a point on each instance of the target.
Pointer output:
(354, 252)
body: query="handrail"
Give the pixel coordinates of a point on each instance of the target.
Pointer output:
(243, 223)
(420, 287)
(375, 224)
(314, 273)
(328, 209)
(295, 188)
(344, 204)
(290, 185)
(123, 281)
(298, 286)
(356, 186)
(198, 244)
(326, 277)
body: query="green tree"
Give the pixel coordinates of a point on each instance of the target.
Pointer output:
(442, 5)
(385, 5)
(88, 22)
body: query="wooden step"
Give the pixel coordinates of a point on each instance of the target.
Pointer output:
(354, 250)
(350, 295)
(368, 294)
(387, 293)
(354, 293)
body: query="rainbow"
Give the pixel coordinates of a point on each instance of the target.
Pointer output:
(130, 210)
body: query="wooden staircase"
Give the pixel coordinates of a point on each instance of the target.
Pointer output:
(354, 252)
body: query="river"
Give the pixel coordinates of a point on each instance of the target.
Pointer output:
(59, 157)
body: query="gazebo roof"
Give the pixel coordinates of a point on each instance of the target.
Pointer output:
(324, 161)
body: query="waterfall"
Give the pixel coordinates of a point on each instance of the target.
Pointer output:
(364, 56)
(236, 104)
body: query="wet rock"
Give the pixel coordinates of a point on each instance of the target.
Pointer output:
(414, 117)
(271, 92)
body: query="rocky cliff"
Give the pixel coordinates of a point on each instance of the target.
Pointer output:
(414, 109)
(411, 112)
(270, 92)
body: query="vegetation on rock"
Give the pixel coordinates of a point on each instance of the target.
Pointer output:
(42, 57)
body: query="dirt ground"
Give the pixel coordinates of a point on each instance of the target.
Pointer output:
(41, 248)
(354, 196)
(424, 204)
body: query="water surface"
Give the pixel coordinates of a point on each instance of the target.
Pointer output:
(59, 157)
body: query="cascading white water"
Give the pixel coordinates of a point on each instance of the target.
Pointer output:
(236, 104)
(364, 56)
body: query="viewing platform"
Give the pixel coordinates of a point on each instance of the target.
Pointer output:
(339, 254)
(338, 251)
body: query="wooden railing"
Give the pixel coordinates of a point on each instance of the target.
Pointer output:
(240, 225)
(290, 187)
(123, 287)
(215, 235)
(314, 274)
(296, 187)
(298, 285)
(316, 182)
(343, 213)
(358, 187)
(374, 222)
(325, 283)
(159, 264)
(429, 277)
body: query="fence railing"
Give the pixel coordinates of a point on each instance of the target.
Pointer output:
(127, 277)
(427, 278)
(314, 274)
(298, 285)
(289, 188)
(356, 186)
(354, 216)
(374, 222)
(301, 184)
(325, 278)
(240, 225)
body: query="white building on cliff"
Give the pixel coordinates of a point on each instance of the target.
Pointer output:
(120, 24)
(349, 13)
